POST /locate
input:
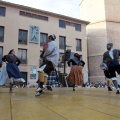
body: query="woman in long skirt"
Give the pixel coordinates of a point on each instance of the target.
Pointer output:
(75, 76)
(12, 69)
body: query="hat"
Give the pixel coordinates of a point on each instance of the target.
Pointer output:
(109, 44)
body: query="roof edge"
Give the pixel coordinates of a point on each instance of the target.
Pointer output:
(44, 12)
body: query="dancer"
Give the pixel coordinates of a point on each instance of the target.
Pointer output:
(111, 59)
(3, 75)
(42, 60)
(104, 67)
(75, 76)
(12, 69)
(50, 61)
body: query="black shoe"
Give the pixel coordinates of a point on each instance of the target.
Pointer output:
(49, 88)
(118, 92)
(109, 89)
(73, 88)
(41, 91)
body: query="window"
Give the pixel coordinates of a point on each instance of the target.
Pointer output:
(62, 24)
(1, 51)
(31, 15)
(34, 16)
(62, 42)
(78, 45)
(40, 17)
(43, 38)
(28, 14)
(22, 55)
(2, 11)
(1, 55)
(22, 13)
(46, 18)
(1, 34)
(78, 27)
(22, 38)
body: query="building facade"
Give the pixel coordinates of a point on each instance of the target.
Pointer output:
(104, 27)
(26, 29)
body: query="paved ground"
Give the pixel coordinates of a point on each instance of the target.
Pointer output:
(60, 104)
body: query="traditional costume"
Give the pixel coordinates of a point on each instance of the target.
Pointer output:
(111, 59)
(104, 67)
(75, 76)
(50, 61)
(12, 69)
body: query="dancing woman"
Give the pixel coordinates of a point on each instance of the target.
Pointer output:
(12, 63)
(50, 56)
(75, 76)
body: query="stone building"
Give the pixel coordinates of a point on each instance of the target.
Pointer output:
(26, 29)
(104, 27)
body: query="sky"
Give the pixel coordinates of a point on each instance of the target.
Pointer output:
(65, 7)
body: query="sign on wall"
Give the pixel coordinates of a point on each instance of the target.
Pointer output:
(34, 34)
(32, 72)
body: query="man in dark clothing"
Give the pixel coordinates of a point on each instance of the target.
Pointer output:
(111, 59)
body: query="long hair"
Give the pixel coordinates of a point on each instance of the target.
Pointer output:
(10, 51)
